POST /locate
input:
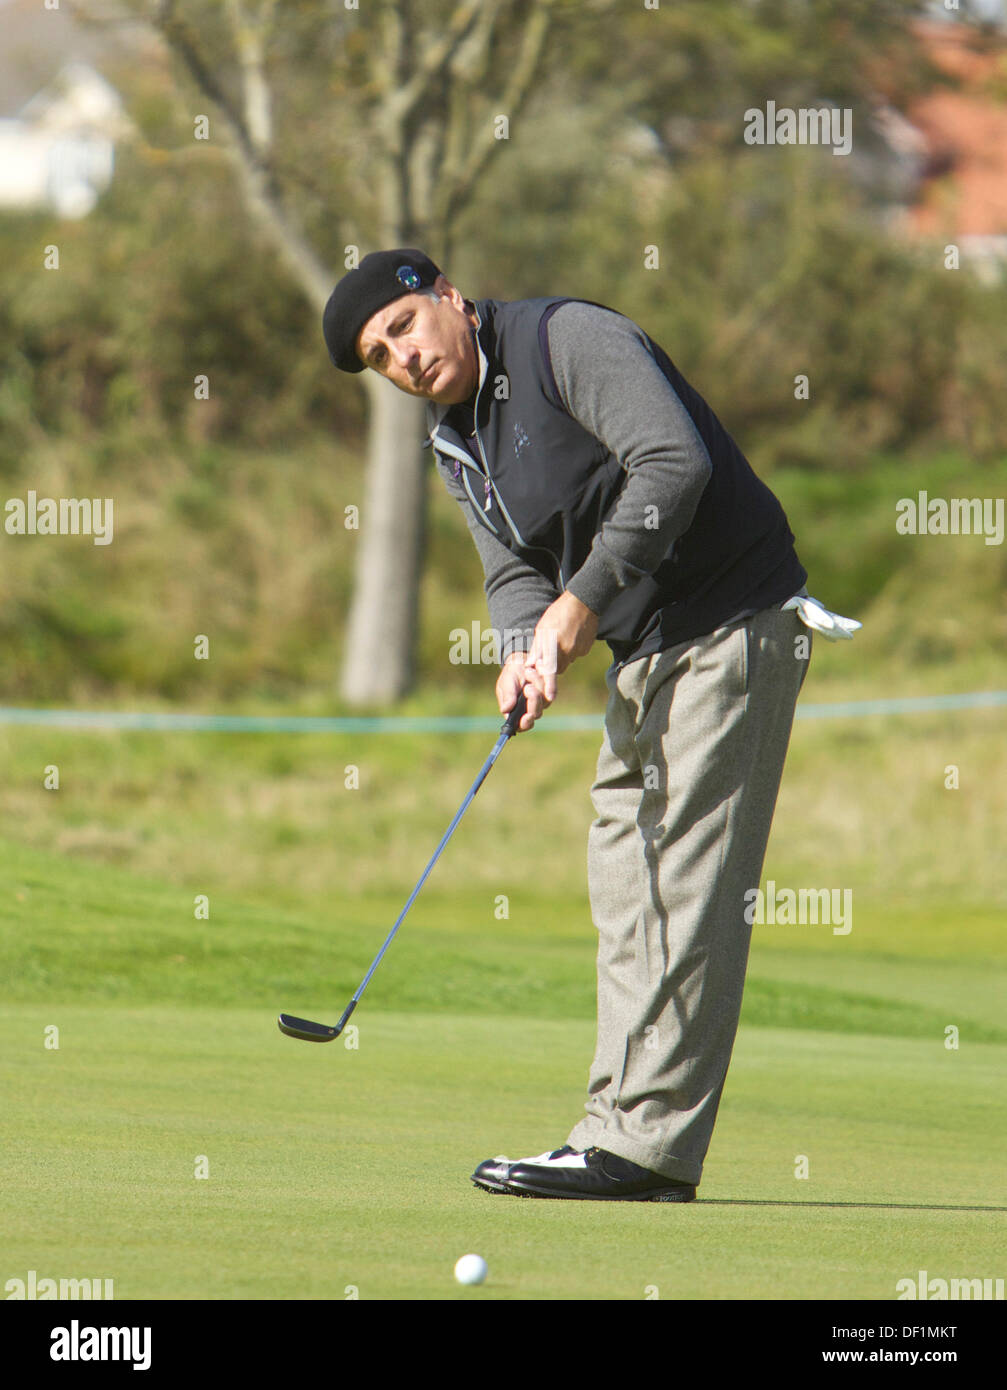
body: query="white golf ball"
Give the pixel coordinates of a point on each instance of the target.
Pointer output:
(471, 1269)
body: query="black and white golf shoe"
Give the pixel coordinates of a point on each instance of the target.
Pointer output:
(594, 1176)
(491, 1175)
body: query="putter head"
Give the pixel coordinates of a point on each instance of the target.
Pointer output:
(307, 1031)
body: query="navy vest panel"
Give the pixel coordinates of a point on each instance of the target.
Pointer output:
(544, 485)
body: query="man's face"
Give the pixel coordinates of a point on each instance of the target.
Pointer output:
(423, 348)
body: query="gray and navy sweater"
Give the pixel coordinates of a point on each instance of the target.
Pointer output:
(585, 461)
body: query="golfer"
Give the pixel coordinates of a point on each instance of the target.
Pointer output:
(606, 500)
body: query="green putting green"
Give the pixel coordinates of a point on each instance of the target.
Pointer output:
(338, 1171)
(178, 1144)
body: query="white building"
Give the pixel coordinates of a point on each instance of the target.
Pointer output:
(58, 152)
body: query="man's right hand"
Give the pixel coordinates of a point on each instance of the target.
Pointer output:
(510, 683)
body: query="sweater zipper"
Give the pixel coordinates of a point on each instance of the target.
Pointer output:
(500, 503)
(462, 466)
(489, 491)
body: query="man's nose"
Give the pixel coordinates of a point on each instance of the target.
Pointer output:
(407, 354)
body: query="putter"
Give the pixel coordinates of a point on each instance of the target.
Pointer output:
(321, 1032)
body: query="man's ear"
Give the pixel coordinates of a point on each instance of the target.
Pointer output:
(444, 287)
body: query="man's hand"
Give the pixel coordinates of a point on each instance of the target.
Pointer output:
(565, 631)
(510, 683)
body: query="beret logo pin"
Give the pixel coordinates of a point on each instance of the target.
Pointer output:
(408, 277)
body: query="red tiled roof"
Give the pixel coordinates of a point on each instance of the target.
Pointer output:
(965, 130)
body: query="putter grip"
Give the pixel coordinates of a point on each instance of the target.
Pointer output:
(514, 717)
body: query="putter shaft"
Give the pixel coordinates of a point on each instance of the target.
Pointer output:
(320, 1032)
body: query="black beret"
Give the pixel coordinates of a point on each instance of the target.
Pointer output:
(379, 278)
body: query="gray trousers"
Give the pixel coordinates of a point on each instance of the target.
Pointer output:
(688, 774)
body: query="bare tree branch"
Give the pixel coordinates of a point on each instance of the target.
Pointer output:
(470, 61)
(258, 182)
(459, 176)
(250, 34)
(403, 101)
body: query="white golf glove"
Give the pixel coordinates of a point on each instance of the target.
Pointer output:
(812, 614)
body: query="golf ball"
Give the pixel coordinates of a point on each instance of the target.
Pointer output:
(471, 1269)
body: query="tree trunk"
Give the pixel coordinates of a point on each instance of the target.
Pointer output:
(382, 631)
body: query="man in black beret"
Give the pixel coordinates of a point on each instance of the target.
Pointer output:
(386, 287)
(606, 500)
